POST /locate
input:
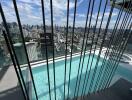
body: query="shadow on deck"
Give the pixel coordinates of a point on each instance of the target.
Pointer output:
(12, 94)
(3, 71)
(118, 91)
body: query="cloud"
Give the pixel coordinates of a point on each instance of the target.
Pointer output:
(34, 17)
(113, 14)
(78, 15)
(35, 2)
(30, 12)
(8, 11)
(94, 16)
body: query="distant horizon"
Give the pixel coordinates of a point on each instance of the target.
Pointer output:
(60, 26)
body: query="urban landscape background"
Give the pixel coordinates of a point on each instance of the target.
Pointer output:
(35, 39)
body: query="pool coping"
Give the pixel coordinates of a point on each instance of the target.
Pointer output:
(43, 62)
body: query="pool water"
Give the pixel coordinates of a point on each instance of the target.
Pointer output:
(41, 79)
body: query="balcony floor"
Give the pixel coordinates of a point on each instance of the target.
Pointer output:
(118, 91)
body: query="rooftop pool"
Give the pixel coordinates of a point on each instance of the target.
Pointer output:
(41, 78)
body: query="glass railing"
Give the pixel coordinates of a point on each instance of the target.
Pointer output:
(91, 52)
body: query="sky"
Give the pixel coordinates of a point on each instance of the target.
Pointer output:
(30, 12)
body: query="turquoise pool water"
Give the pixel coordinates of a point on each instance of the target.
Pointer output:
(41, 79)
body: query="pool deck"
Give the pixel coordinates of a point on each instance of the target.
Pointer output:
(14, 93)
(118, 91)
(8, 79)
(43, 62)
(9, 88)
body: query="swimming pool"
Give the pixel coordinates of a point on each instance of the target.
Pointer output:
(41, 79)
